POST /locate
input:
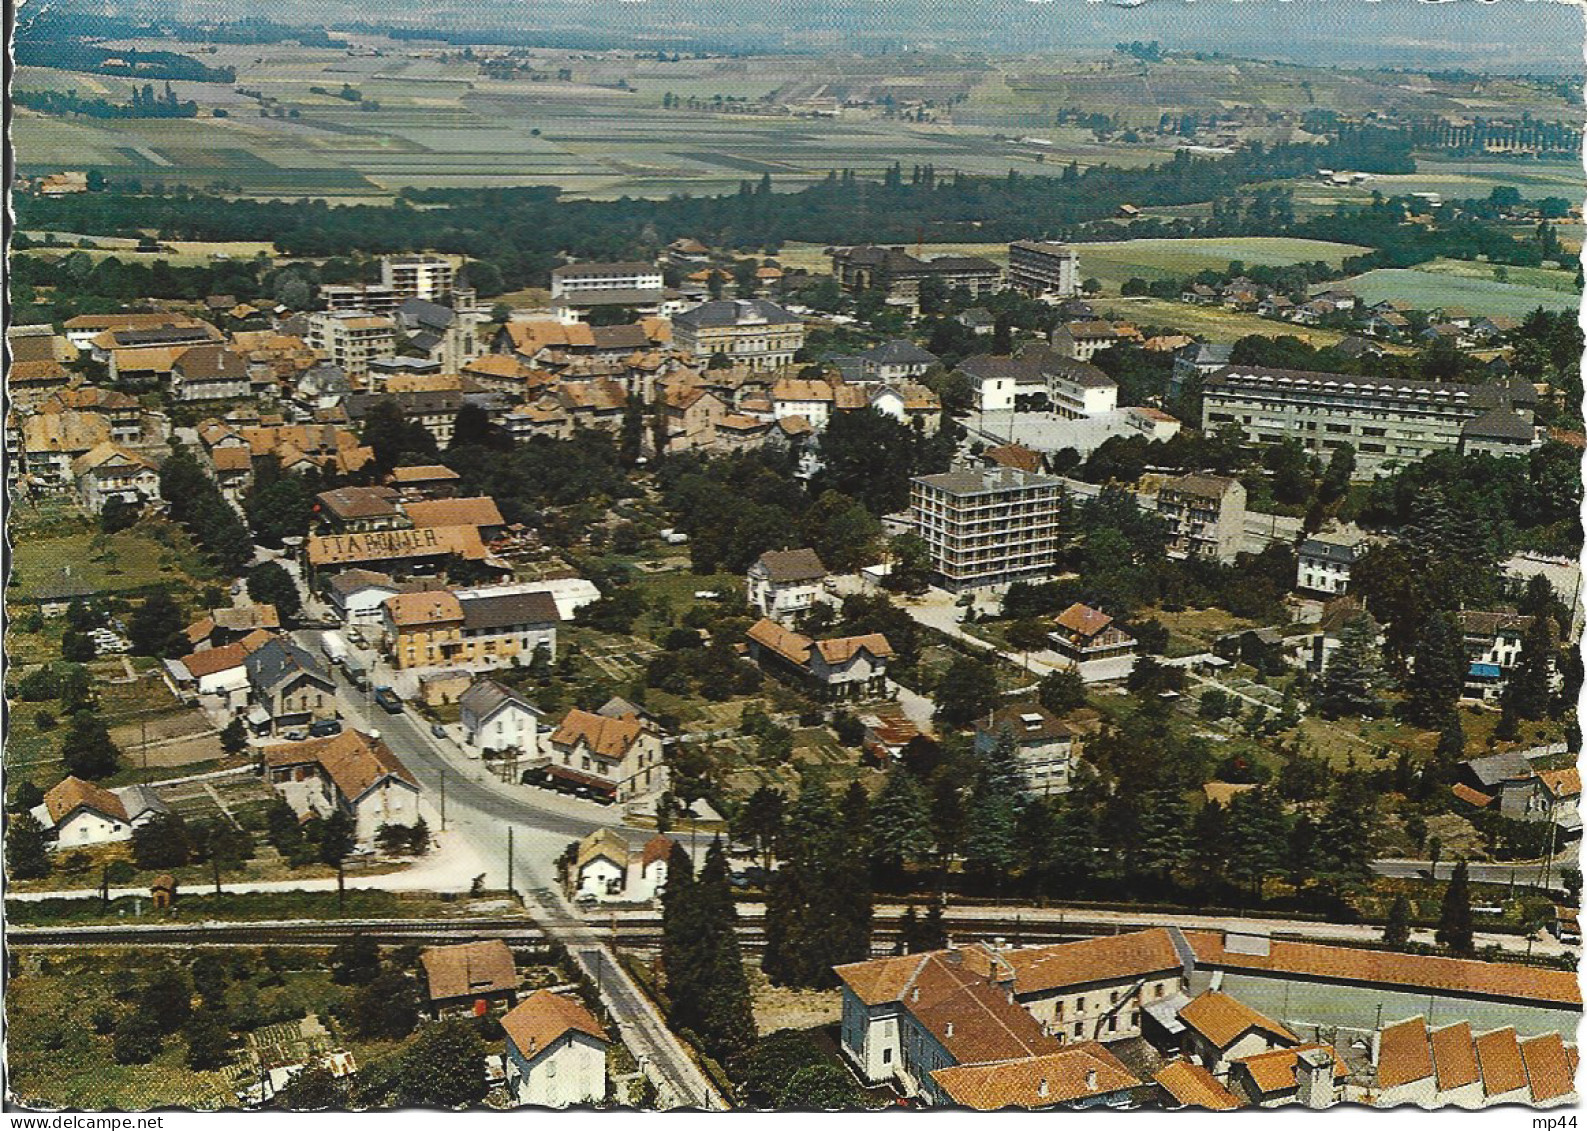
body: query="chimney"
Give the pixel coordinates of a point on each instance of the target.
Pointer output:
(1041, 1088)
(950, 1029)
(914, 995)
(1091, 1079)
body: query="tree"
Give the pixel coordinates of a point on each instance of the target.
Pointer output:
(760, 822)
(27, 848)
(137, 1039)
(313, 1089)
(269, 583)
(1397, 931)
(900, 823)
(355, 961)
(386, 1008)
(167, 998)
(161, 842)
(1455, 928)
(1028, 635)
(1437, 673)
(87, 749)
(444, 1067)
(155, 628)
(1526, 694)
(1256, 837)
(968, 691)
(1062, 691)
(234, 738)
(77, 647)
(1350, 679)
(280, 509)
(209, 1040)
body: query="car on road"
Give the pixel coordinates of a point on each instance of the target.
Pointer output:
(389, 700)
(438, 730)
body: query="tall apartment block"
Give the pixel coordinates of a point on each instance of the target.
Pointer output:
(1041, 267)
(985, 526)
(1389, 423)
(1205, 515)
(418, 276)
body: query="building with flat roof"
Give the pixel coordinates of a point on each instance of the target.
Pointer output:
(418, 276)
(352, 339)
(1043, 267)
(862, 268)
(576, 279)
(1388, 422)
(985, 526)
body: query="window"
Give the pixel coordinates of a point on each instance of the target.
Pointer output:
(887, 1056)
(1080, 1029)
(1113, 1024)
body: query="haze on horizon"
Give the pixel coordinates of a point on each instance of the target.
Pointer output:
(1513, 36)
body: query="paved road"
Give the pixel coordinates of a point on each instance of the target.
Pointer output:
(519, 832)
(1531, 874)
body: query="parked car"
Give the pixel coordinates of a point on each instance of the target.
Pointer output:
(389, 700)
(325, 728)
(438, 730)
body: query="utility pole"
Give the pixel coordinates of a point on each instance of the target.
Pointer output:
(509, 859)
(443, 799)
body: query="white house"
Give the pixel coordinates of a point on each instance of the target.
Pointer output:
(80, 813)
(496, 718)
(1323, 565)
(110, 471)
(358, 594)
(785, 584)
(600, 866)
(353, 773)
(653, 864)
(555, 1052)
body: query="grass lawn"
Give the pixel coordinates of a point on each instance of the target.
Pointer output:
(151, 553)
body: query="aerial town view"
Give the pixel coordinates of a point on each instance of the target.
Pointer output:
(828, 556)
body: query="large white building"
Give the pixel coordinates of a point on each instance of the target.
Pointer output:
(418, 276)
(1044, 268)
(577, 279)
(985, 526)
(1389, 423)
(352, 339)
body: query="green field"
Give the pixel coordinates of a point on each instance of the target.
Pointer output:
(1211, 323)
(1445, 289)
(1117, 261)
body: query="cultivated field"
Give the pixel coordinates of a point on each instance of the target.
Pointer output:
(1114, 262)
(1438, 288)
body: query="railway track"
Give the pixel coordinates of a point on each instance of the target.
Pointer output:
(631, 932)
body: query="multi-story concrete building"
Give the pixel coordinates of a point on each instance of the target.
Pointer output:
(1388, 422)
(352, 338)
(581, 278)
(418, 276)
(1205, 514)
(752, 332)
(1042, 267)
(984, 526)
(900, 274)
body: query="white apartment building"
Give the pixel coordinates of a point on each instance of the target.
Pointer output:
(1042, 267)
(580, 278)
(418, 276)
(1389, 423)
(1079, 390)
(985, 526)
(352, 339)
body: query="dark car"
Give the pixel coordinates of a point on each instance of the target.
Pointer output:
(438, 730)
(325, 728)
(389, 700)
